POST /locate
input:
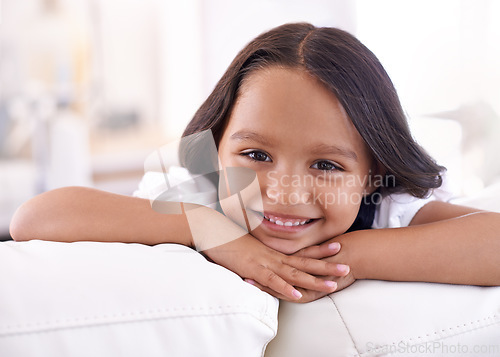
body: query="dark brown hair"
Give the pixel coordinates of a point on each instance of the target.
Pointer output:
(356, 77)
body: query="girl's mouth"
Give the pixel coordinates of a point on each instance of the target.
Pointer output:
(286, 221)
(286, 224)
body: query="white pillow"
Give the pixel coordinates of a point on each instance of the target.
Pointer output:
(380, 318)
(114, 299)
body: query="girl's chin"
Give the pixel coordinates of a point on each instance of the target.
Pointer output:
(281, 245)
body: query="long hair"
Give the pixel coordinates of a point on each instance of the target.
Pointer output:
(360, 83)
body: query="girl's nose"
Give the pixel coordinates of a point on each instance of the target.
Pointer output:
(284, 191)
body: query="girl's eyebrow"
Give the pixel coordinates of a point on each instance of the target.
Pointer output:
(246, 135)
(336, 150)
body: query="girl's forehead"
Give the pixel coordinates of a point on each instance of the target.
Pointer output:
(291, 103)
(285, 90)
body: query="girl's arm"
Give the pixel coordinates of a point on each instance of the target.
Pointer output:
(83, 214)
(444, 243)
(73, 214)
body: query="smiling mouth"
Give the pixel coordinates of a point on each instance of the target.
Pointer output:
(287, 222)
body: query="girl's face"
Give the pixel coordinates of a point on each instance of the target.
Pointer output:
(312, 165)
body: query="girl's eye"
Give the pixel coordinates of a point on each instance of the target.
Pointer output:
(257, 155)
(325, 166)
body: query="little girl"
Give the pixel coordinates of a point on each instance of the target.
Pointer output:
(345, 191)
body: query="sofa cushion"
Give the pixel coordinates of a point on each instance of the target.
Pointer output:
(115, 299)
(380, 318)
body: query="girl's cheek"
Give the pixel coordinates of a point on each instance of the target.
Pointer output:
(348, 198)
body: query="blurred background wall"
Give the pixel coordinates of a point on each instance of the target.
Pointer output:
(88, 88)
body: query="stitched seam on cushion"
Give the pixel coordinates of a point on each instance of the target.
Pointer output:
(124, 322)
(146, 315)
(271, 320)
(345, 325)
(472, 324)
(420, 340)
(273, 328)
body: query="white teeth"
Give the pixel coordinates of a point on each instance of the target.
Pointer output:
(287, 223)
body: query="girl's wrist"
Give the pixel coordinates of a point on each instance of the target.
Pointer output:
(357, 252)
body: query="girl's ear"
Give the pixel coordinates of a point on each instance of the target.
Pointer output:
(376, 178)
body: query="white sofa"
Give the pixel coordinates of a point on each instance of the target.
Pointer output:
(376, 318)
(115, 299)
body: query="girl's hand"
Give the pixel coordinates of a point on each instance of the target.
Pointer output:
(327, 251)
(323, 250)
(311, 295)
(291, 278)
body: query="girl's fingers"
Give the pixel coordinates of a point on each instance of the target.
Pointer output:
(276, 283)
(297, 277)
(282, 278)
(307, 295)
(267, 290)
(317, 267)
(319, 251)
